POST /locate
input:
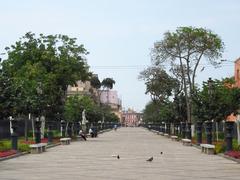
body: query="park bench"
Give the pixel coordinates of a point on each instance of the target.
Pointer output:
(37, 148)
(187, 142)
(65, 141)
(174, 138)
(161, 133)
(166, 135)
(207, 148)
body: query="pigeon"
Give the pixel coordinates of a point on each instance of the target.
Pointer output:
(161, 152)
(118, 156)
(202, 69)
(150, 159)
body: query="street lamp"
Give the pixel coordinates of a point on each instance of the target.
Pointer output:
(209, 122)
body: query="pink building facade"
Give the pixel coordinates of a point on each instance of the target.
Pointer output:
(110, 98)
(131, 118)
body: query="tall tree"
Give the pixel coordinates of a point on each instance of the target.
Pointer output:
(186, 47)
(40, 70)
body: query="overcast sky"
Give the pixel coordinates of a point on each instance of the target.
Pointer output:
(120, 33)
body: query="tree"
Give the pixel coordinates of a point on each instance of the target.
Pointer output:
(40, 70)
(158, 83)
(186, 47)
(75, 105)
(223, 101)
(95, 83)
(108, 83)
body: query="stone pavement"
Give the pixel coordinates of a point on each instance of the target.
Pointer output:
(93, 160)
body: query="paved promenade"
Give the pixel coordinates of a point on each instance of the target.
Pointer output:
(92, 160)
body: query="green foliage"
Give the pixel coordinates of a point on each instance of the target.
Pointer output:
(236, 146)
(23, 147)
(158, 112)
(158, 83)
(220, 147)
(184, 49)
(5, 145)
(95, 82)
(218, 102)
(75, 105)
(38, 71)
(108, 83)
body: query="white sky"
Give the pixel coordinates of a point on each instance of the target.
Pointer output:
(121, 33)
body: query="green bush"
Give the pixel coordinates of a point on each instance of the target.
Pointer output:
(23, 147)
(220, 147)
(236, 147)
(5, 145)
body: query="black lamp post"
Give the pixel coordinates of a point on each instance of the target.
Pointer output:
(37, 131)
(209, 122)
(229, 135)
(199, 132)
(63, 126)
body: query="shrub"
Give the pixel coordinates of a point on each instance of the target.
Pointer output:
(5, 145)
(236, 147)
(23, 147)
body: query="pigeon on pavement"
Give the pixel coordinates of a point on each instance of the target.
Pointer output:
(150, 159)
(118, 156)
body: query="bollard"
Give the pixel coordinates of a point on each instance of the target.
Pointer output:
(69, 129)
(50, 133)
(176, 132)
(37, 131)
(199, 132)
(229, 135)
(209, 131)
(188, 131)
(63, 126)
(168, 128)
(14, 135)
(183, 129)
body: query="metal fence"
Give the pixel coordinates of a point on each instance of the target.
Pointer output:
(5, 127)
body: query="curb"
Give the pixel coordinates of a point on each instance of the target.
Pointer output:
(229, 158)
(24, 153)
(14, 156)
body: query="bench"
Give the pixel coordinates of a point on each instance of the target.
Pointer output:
(187, 142)
(207, 148)
(166, 135)
(37, 148)
(161, 133)
(174, 138)
(65, 141)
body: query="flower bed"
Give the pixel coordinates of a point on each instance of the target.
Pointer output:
(234, 154)
(7, 153)
(44, 140)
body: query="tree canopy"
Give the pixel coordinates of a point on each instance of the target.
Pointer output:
(39, 70)
(185, 48)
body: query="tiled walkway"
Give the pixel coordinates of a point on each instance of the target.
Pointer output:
(92, 160)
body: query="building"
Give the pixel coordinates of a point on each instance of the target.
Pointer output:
(237, 72)
(237, 84)
(110, 98)
(82, 88)
(131, 118)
